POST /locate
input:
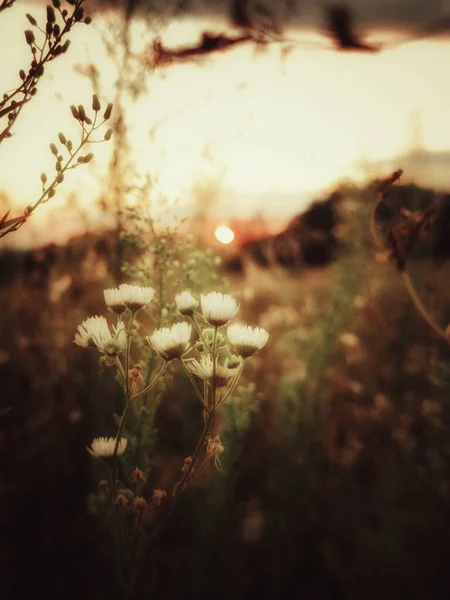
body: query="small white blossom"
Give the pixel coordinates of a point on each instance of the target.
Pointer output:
(136, 297)
(95, 331)
(204, 368)
(186, 303)
(103, 447)
(171, 342)
(218, 308)
(247, 340)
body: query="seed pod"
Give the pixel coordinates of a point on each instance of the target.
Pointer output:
(33, 92)
(65, 46)
(108, 111)
(22, 74)
(29, 36)
(79, 14)
(51, 18)
(31, 19)
(95, 103)
(56, 30)
(108, 134)
(62, 138)
(74, 112)
(48, 28)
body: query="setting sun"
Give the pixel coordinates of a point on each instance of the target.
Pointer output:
(224, 234)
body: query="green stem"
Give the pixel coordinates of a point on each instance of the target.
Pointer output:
(194, 385)
(233, 385)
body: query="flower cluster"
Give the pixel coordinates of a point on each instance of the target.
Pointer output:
(208, 348)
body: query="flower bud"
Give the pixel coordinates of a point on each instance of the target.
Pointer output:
(56, 3)
(81, 112)
(22, 74)
(95, 103)
(54, 149)
(56, 30)
(108, 111)
(48, 28)
(108, 134)
(65, 46)
(29, 36)
(88, 21)
(51, 193)
(51, 14)
(139, 477)
(158, 497)
(62, 138)
(79, 14)
(31, 19)
(43, 177)
(74, 112)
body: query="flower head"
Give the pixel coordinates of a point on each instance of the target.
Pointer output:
(95, 331)
(171, 342)
(218, 308)
(103, 447)
(133, 297)
(204, 368)
(186, 303)
(247, 340)
(114, 300)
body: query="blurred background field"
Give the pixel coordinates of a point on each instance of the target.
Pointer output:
(335, 481)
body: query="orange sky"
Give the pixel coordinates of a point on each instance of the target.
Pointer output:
(268, 131)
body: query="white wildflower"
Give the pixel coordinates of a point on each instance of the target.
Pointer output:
(136, 297)
(218, 308)
(186, 303)
(171, 342)
(247, 340)
(95, 331)
(204, 368)
(103, 447)
(114, 300)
